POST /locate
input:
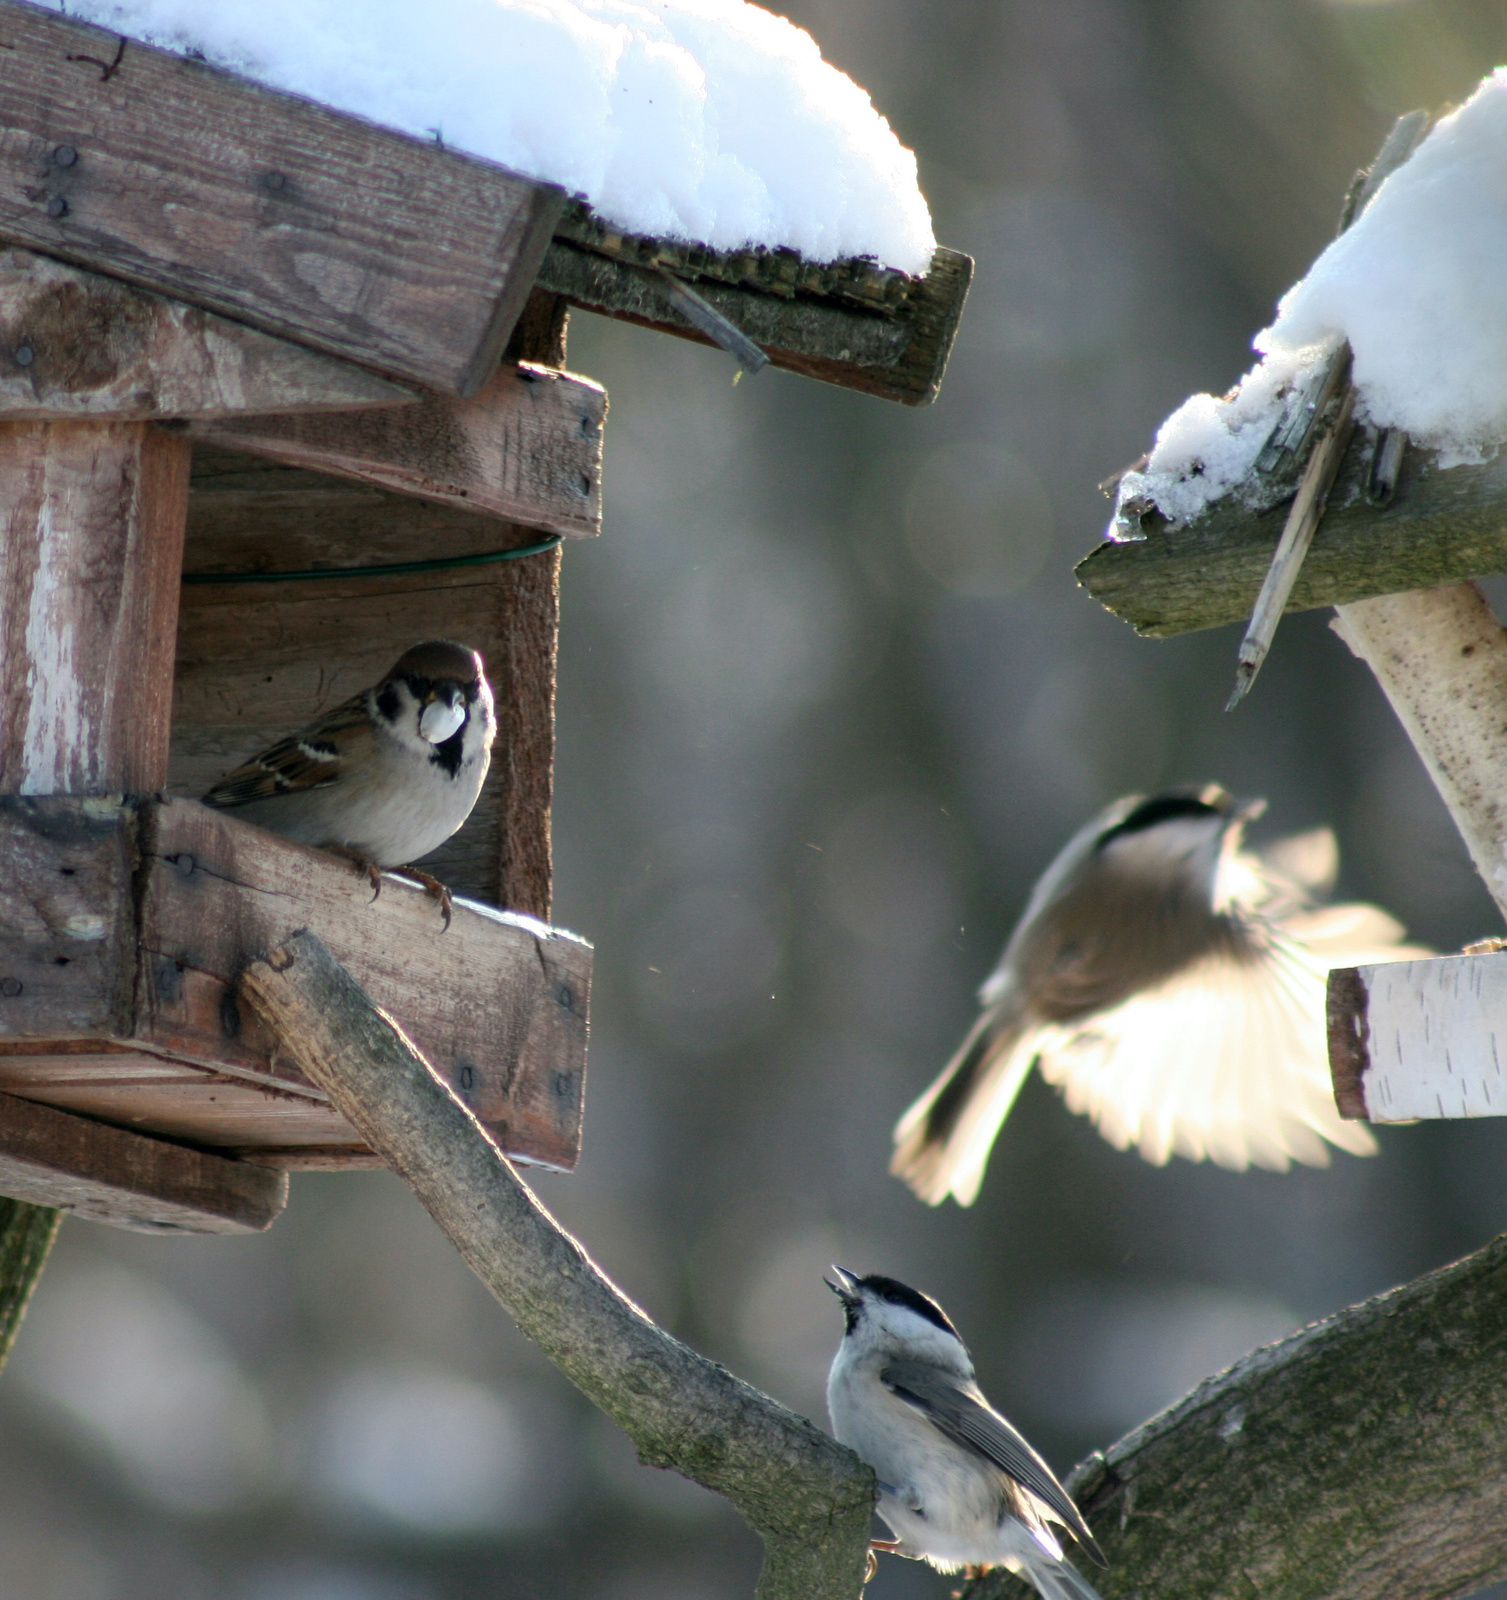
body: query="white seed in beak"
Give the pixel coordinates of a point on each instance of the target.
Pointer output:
(439, 719)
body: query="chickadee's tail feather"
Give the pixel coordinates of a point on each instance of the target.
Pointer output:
(1057, 1580)
(942, 1143)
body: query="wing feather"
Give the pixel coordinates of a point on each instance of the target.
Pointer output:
(959, 1409)
(312, 758)
(1227, 1060)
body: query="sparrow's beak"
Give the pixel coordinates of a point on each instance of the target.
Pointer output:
(444, 712)
(846, 1287)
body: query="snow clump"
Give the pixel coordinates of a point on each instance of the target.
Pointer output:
(712, 121)
(1418, 285)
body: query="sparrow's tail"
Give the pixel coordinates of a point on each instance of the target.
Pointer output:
(942, 1143)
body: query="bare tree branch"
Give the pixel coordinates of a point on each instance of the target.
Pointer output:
(809, 1497)
(1358, 1459)
(26, 1235)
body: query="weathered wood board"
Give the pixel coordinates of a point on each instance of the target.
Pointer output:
(319, 227)
(527, 448)
(1440, 527)
(74, 344)
(124, 927)
(50, 1158)
(895, 349)
(1419, 1040)
(91, 542)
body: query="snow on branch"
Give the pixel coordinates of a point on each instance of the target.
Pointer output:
(809, 1498)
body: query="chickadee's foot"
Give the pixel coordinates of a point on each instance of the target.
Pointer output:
(435, 889)
(364, 865)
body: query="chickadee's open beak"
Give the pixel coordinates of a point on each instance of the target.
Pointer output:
(846, 1288)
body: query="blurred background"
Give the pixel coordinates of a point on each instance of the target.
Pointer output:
(829, 701)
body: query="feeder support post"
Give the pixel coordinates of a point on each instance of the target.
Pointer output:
(91, 548)
(1440, 656)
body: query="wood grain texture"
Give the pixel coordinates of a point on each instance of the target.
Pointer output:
(77, 345)
(896, 353)
(1428, 1039)
(1442, 527)
(1440, 656)
(139, 1025)
(528, 448)
(91, 545)
(810, 1499)
(1357, 1459)
(316, 226)
(48, 1157)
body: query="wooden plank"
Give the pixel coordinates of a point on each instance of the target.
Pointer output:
(499, 1003)
(1441, 527)
(67, 963)
(527, 448)
(91, 545)
(317, 226)
(896, 350)
(78, 345)
(1420, 1040)
(50, 1158)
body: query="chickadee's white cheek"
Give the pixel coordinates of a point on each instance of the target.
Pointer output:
(438, 721)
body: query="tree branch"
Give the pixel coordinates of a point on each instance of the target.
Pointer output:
(809, 1498)
(26, 1235)
(1359, 1458)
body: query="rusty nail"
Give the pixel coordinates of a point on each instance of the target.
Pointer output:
(25, 355)
(64, 156)
(275, 180)
(10, 987)
(57, 206)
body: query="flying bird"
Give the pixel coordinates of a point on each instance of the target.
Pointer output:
(1171, 984)
(386, 776)
(958, 1486)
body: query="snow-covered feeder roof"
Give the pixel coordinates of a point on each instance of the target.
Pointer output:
(708, 121)
(1416, 287)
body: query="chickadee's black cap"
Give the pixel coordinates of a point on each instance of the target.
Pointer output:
(900, 1294)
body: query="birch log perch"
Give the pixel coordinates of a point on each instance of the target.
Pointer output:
(810, 1499)
(1440, 656)
(1358, 1459)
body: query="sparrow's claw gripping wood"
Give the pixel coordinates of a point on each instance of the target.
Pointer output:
(364, 865)
(433, 887)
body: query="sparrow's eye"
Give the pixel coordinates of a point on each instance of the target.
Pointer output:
(440, 719)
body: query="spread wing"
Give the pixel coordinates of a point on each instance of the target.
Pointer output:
(310, 759)
(960, 1411)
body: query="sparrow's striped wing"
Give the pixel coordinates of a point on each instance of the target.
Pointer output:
(310, 759)
(960, 1410)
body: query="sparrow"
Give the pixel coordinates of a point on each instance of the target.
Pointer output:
(386, 776)
(1172, 986)
(958, 1485)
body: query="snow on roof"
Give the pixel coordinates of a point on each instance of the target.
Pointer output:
(1418, 286)
(706, 120)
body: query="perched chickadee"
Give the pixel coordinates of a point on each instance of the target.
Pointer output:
(1172, 985)
(957, 1484)
(388, 775)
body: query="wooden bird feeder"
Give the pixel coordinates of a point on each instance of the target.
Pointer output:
(1395, 552)
(245, 335)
